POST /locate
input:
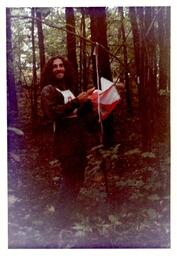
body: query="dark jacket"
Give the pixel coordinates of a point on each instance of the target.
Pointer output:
(69, 135)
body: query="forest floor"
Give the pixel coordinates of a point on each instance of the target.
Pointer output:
(135, 213)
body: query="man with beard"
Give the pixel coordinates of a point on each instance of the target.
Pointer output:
(67, 113)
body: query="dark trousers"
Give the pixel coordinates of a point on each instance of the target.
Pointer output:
(73, 170)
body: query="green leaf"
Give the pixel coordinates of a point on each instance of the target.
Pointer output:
(96, 147)
(50, 209)
(153, 197)
(80, 233)
(132, 152)
(114, 157)
(56, 178)
(121, 183)
(152, 213)
(54, 163)
(148, 155)
(112, 218)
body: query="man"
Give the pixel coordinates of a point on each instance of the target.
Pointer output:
(67, 112)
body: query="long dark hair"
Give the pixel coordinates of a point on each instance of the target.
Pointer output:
(47, 76)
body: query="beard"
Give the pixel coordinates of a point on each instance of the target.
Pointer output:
(59, 82)
(59, 75)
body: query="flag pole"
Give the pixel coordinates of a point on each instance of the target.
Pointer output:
(104, 166)
(98, 87)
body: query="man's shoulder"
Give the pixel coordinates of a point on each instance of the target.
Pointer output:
(48, 89)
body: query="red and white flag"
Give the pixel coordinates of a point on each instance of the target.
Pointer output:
(105, 99)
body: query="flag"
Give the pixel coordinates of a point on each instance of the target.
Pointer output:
(67, 94)
(105, 99)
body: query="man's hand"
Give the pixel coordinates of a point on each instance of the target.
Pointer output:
(84, 96)
(90, 91)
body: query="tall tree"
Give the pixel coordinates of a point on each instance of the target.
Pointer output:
(164, 69)
(144, 38)
(99, 35)
(40, 38)
(136, 41)
(164, 37)
(151, 58)
(12, 98)
(71, 43)
(144, 96)
(168, 42)
(34, 78)
(126, 76)
(83, 62)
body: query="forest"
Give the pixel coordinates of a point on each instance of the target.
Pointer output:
(125, 200)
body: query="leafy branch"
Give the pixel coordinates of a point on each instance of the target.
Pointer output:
(49, 24)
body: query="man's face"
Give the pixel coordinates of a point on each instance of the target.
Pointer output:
(58, 69)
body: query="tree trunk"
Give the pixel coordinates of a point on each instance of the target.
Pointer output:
(148, 91)
(136, 42)
(34, 81)
(93, 27)
(99, 35)
(80, 77)
(84, 73)
(11, 88)
(164, 35)
(40, 39)
(168, 36)
(152, 71)
(71, 43)
(127, 82)
(139, 60)
(144, 97)
(164, 70)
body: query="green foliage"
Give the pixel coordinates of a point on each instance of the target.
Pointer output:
(98, 155)
(135, 214)
(21, 31)
(133, 151)
(55, 39)
(130, 183)
(164, 92)
(148, 155)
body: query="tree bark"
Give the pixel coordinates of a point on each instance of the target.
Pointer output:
(148, 86)
(168, 42)
(99, 35)
(34, 80)
(144, 97)
(164, 36)
(84, 70)
(164, 71)
(71, 44)
(40, 39)
(126, 76)
(11, 87)
(152, 71)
